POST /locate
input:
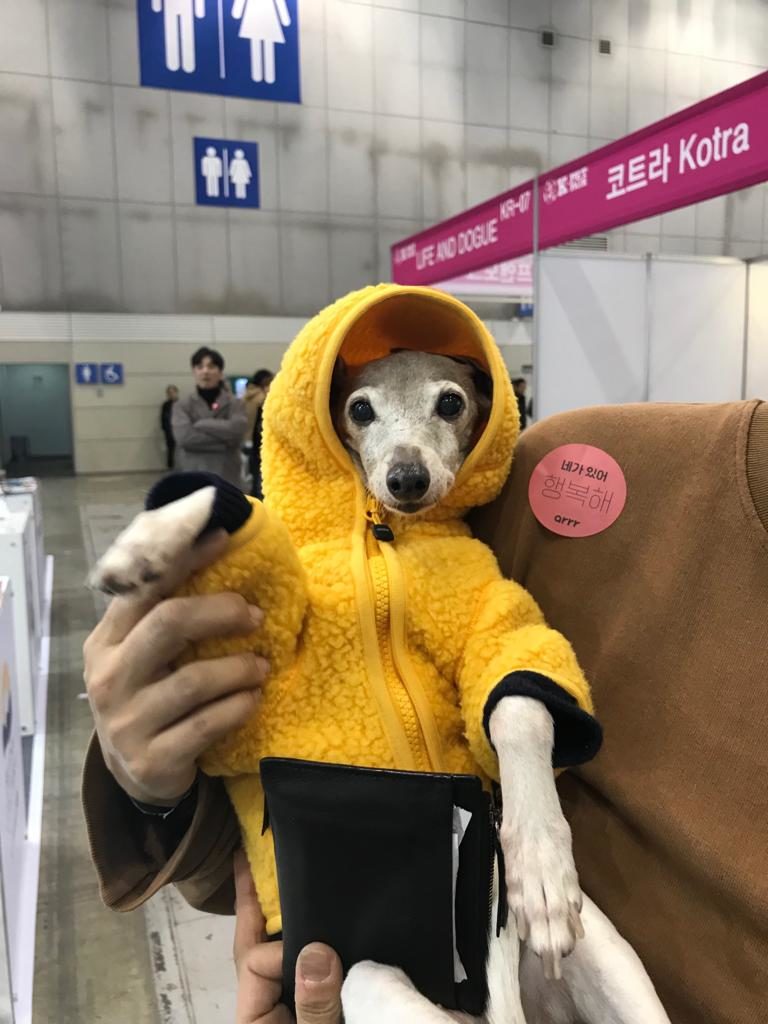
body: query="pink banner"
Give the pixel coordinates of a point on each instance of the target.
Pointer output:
(719, 145)
(511, 278)
(497, 230)
(716, 146)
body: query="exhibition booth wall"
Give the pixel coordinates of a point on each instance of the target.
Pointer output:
(617, 329)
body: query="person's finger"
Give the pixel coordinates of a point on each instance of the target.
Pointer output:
(259, 984)
(277, 1015)
(249, 920)
(197, 684)
(123, 613)
(318, 985)
(188, 738)
(165, 632)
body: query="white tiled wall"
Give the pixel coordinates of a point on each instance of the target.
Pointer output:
(119, 427)
(412, 110)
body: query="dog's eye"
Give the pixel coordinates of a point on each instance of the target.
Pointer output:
(361, 411)
(450, 405)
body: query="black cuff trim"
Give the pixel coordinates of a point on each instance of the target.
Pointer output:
(231, 509)
(578, 736)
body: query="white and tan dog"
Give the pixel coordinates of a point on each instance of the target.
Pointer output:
(409, 421)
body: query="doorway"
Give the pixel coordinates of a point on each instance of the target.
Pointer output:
(36, 419)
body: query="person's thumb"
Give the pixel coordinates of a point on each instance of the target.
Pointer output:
(318, 985)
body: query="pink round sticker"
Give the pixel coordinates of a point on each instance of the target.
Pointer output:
(577, 490)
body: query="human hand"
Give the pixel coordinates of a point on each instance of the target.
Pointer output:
(153, 721)
(259, 968)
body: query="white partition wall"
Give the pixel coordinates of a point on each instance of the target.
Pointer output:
(756, 384)
(697, 329)
(615, 329)
(592, 340)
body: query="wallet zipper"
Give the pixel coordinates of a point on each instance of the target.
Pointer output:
(497, 855)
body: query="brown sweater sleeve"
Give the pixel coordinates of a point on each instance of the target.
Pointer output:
(135, 855)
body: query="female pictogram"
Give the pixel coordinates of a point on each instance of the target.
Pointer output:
(262, 23)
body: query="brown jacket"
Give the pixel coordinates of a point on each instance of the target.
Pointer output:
(667, 612)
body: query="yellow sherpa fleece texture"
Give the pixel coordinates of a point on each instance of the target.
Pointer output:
(341, 689)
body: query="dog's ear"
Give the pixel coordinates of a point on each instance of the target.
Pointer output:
(338, 381)
(482, 381)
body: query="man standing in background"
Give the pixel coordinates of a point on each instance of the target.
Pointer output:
(259, 384)
(166, 414)
(520, 384)
(209, 425)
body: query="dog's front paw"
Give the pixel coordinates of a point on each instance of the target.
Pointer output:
(137, 560)
(141, 560)
(543, 889)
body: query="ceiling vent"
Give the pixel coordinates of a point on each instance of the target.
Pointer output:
(592, 243)
(547, 37)
(604, 47)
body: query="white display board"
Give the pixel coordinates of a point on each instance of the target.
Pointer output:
(17, 543)
(12, 801)
(697, 329)
(617, 329)
(592, 331)
(29, 501)
(756, 385)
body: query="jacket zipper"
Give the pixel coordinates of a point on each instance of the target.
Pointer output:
(381, 533)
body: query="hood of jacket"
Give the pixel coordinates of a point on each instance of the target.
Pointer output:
(310, 480)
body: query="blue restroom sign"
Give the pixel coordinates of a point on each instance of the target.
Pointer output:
(111, 373)
(226, 172)
(244, 48)
(87, 373)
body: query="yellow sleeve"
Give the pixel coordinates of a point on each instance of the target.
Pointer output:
(263, 566)
(510, 651)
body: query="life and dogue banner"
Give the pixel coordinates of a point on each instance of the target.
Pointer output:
(718, 145)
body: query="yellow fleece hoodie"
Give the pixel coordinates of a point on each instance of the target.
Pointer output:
(383, 654)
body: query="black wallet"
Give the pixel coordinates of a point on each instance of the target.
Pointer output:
(366, 863)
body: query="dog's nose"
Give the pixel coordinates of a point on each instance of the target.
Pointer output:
(408, 481)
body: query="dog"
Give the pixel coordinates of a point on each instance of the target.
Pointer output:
(409, 421)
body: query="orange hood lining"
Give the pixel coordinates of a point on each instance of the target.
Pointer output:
(421, 323)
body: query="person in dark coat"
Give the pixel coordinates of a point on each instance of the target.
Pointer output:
(259, 383)
(520, 384)
(166, 412)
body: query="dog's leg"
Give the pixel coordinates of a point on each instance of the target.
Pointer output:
(543, 887)
(142, 556)
(504, 1005)
(375, 994)
(604, 981)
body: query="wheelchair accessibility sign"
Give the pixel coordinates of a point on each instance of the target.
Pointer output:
(111, 373)
(246, 48)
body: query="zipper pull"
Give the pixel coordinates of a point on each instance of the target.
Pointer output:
(381, 531)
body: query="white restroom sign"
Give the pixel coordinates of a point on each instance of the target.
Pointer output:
(244, 48)
(226, 172)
